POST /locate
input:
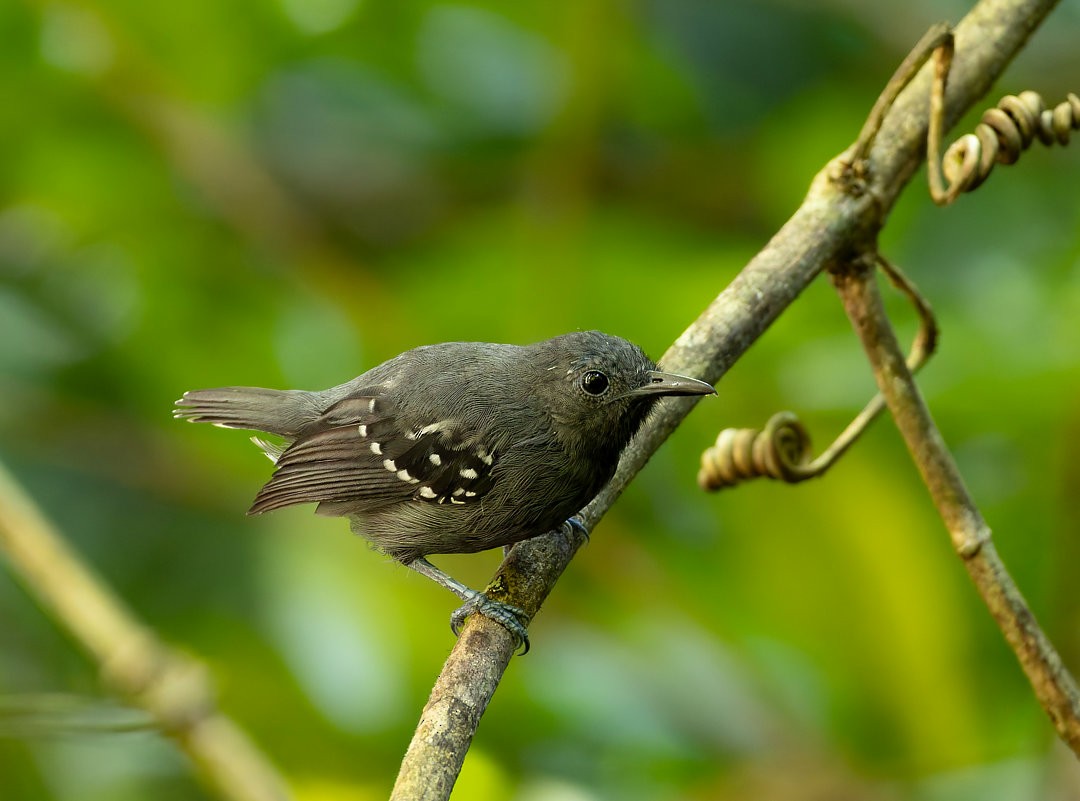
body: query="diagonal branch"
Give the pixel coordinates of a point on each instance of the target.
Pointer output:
(835, 220)
(1054, 686)
(172, 687)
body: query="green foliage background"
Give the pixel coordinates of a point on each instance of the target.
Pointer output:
(287, 193)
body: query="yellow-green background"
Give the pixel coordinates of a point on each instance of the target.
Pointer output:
(287, 193)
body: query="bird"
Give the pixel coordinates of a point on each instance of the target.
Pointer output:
(457, 447)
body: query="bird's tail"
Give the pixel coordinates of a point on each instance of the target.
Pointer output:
(275, 411)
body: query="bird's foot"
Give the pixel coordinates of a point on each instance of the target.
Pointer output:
(512, 618)
(574, 524)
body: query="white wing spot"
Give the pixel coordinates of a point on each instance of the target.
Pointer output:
(459, 491)
(455, 500)
(486, 458)
(469, 473)
(435, 459)
(376, 448)
(427, 492)
(371, 406)
(389, 465)
(404, 475)
(362, 429)
(470, 494)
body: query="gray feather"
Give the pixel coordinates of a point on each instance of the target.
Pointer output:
(275, 411)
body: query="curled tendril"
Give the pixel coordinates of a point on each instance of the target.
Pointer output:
(1005, 132)
(781, 450)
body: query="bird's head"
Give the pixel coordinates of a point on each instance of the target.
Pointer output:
(598, 388)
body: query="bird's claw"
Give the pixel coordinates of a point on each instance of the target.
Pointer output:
(510, 617)
(574, 524)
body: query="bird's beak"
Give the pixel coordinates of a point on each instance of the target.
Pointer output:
(671, 384)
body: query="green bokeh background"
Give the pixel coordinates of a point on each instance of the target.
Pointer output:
(287, 193)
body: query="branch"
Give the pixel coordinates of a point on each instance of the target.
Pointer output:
(173, 688)
(836, 219)
(1053, 685)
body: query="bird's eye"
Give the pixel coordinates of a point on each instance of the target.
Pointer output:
(595, 383)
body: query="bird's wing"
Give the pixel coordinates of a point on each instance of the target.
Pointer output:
(360, 455)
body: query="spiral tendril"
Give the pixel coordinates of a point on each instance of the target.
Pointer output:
(781, 450)
(1006, 131)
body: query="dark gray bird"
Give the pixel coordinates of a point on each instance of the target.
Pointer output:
(454, 448)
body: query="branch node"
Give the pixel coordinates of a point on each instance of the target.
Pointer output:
(970, 546)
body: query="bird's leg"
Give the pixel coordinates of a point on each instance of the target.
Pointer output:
(508, 616)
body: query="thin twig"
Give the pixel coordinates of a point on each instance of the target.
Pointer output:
(1053, 685)
(25, 715)
(938, 37)
(171, 687)
(942, 65)
(824, 229)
